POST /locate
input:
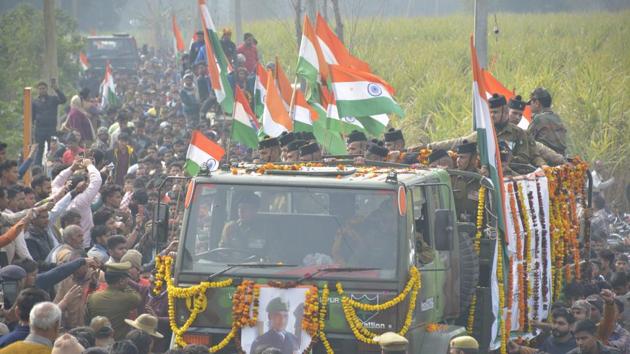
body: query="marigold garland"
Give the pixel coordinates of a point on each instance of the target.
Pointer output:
(470, 324)
(356, 325)
(310, 318)
(544, 244)
(481, 204)
(322, 320)
(502, 327)
(527, 288)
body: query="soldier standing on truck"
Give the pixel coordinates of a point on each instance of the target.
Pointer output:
(269, 150)
(356, 143)
(523, 147)
(277, 336)
(466, 189)
(546, 126)
(516, 107)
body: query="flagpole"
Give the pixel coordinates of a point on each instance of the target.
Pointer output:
(292, 104)
(229, 139)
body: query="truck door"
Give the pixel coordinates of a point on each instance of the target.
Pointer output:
(425, 256)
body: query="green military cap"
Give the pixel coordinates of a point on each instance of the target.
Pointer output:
(277, 305)
(464, 342)
(118, 267)
(539, 93)
(378, 149)
(391, 341)
(356, 135)
(285, 138)
(309, 149)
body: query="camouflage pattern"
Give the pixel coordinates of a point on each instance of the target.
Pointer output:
(547, 128)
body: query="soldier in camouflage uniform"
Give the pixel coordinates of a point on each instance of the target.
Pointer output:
(546, 126)
(466, 189)
(523, 148)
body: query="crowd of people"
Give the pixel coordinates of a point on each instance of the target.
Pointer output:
(77, 249)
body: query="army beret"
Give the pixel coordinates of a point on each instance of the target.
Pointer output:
(12, 272)
(437, 154)
(276, 305)
(391, 341)
(356, 135)
(496, 101)
(295, 145)
(464, 342)
(118, 267)
(378, 149)
(517, 102)
(268, 142)
(285, 138)
(467, 148)
(393, 135)
(309, 149)
(308, 136)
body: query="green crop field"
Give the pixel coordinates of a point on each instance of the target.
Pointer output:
(582, 58)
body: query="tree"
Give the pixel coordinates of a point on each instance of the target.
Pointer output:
(22, 45)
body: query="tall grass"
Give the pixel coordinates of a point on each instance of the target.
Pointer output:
(583, 59)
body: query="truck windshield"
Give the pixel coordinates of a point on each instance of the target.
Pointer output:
(308, 228)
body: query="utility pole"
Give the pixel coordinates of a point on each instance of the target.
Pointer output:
(50, 41)
(481, 31)
(238, 21)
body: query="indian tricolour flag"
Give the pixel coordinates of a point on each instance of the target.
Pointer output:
(244, 125)
(260, 90)
(202, 152)
(283, 84)
(361, 94)
(177, 36)
(495, 86)
(333, 50)
(218, 66)
(83, 60)
(275, 117)
(335, 122)
(310, 58)
(490, 157)
(303, 114)
(108, 88)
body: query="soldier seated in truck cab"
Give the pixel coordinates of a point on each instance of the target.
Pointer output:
(357, 239)
(243, 232)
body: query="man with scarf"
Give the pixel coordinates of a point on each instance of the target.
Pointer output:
(190, 100)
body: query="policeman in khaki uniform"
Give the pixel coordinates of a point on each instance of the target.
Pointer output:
(392, 343)
(463, 345)
(546, 126)
(523, 148)
(466, 189)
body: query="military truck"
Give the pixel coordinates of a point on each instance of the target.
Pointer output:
(288, 225)
(119, 49)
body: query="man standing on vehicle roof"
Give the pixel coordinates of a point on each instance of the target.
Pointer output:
(466, 189)
(269, 150)
(310, 152)
(523, 148)
(516, 106)
(546, 126)
(277, 336)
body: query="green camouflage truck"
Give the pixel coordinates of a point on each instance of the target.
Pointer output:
(294, 234)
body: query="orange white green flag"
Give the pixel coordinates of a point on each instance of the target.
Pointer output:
(361, 94)
(275, 118)
(244, 125)
(202, 152)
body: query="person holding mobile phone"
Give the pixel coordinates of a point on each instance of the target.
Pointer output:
(44, 110)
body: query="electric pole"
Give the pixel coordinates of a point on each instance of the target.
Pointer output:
(238, 21)
(481, 31)
(50, 41)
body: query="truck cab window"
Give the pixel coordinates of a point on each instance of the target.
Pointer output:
(424, 242)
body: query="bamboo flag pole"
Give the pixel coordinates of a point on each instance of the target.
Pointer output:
(26, 133)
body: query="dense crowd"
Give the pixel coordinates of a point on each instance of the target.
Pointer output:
(77, 248)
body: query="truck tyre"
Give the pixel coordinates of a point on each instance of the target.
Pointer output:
(469, 270)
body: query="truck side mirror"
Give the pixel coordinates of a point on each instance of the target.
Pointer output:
(443, 230)
(160, 224)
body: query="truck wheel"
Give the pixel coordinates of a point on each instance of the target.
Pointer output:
(469, 270)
